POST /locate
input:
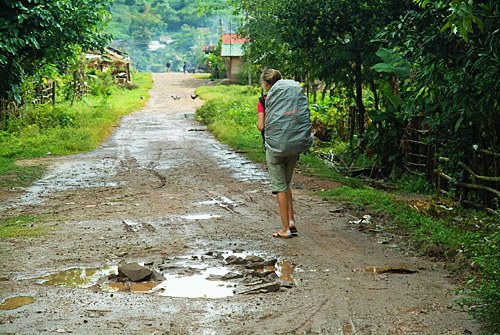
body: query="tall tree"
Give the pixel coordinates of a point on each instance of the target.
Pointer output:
(330, 40)
(36, 33)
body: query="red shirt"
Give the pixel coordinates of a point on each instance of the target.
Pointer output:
(260, 108)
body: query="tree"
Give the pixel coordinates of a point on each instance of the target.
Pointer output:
(322, 39)
(142, 26)
(36, 33)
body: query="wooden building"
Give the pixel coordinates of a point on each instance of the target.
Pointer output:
(232, 48)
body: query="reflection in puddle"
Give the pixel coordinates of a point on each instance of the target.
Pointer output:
(196, 286)
(286, 271)
(16, 302)
(142, 287)
(76, 277)
(347, 327)
(114, 287)
(200, 216)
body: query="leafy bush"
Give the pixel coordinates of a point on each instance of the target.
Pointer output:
(101, 84)
(415, 183)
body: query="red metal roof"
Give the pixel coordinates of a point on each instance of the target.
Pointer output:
(232, 38)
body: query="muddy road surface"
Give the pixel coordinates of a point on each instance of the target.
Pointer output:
(163, 193)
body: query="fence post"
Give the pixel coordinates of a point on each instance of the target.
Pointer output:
(53, 93)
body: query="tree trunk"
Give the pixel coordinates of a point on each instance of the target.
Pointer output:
(352, 122)
(359, 94)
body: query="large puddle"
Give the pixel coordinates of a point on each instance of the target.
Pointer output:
(210, 275)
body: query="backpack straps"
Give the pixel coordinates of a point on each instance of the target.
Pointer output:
(262, 100)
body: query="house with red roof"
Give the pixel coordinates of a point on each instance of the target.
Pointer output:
(232, 47)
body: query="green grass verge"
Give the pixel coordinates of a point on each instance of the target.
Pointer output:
(469, 240)
(23, 226)
(202, 75)
(64, 129)
(231, 115)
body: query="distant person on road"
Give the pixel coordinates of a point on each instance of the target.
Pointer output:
(184, 67)
(283, 148)
(168, 66)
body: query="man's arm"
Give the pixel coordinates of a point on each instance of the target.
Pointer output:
(260, 121)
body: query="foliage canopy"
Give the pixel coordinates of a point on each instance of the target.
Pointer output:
(38, 34)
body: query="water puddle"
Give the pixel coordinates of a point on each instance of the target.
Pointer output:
(348, 327)
(133, 287)
(381, 270)
(210, 275)
(200, 216)
(77, 277)
(198, 285)
(286, 271)
(16, 302)
(221, 201)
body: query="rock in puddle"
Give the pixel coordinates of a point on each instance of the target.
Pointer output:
(261, 288)
(254, 259)
(134, 272)
(235, 260)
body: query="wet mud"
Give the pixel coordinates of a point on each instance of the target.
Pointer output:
(163, 193)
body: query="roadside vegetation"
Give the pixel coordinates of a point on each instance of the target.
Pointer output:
(66, 128)
(60, 129)
(405, 211)
(23, 226)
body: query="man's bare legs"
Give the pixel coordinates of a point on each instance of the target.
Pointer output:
(289, 198)
(285, 203)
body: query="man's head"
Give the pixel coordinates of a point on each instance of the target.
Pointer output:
(269, 77)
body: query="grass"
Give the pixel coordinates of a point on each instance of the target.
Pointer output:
(64, 129)
(312, 165)
(59, 130)
(202, 75)
(468, 240)
(23, 226)
(13, 175)
(232, 121)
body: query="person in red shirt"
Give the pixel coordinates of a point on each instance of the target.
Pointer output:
(280, 169)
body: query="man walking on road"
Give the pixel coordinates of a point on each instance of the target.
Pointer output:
(286, 121)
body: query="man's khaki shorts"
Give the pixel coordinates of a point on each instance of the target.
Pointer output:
(280, 171)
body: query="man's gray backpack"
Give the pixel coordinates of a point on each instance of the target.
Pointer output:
(287, 119)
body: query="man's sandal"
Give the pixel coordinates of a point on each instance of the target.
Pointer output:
(278, 235)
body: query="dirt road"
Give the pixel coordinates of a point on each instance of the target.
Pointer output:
(162, 192)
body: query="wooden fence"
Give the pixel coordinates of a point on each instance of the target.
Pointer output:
(480, 169)
(43, 93)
